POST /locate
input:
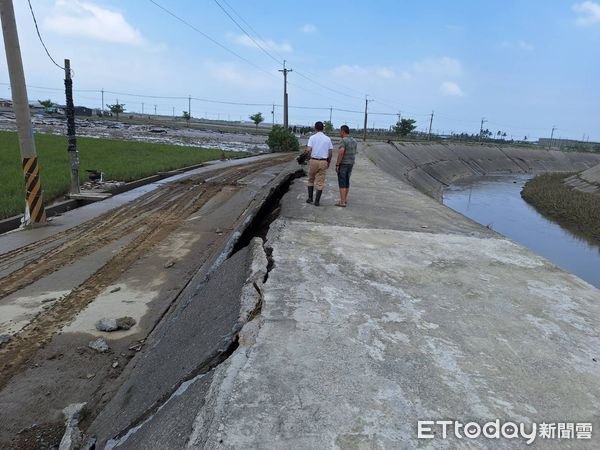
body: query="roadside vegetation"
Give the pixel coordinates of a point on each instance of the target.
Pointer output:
(282, 140)
(119, 160)
(577, 211)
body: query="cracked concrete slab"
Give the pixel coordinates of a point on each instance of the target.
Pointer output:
(395, 310)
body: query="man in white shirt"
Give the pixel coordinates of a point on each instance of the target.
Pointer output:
(320, 151)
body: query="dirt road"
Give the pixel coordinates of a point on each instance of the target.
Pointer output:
(133, 261)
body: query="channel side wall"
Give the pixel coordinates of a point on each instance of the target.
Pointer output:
(430, 167)
(586, 181)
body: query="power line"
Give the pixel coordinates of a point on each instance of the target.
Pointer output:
(326, 87)
(214, 41)
(247, 34)
(251, 28)
(40, 36)
(266, 52)
(53, 89)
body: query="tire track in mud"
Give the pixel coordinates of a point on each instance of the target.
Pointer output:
(152, 217)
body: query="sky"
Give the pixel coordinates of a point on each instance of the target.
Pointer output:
(524, 66)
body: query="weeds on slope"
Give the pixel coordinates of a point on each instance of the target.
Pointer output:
(577, 211)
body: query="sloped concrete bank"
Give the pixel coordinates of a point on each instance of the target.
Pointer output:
(397, 309)
(433, 166)
(586, 181)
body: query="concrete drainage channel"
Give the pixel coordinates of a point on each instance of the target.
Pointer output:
(203, 329)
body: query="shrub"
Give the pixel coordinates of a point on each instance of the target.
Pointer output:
(282, 140)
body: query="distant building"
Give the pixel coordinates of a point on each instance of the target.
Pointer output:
(6, 103)
(83, 111)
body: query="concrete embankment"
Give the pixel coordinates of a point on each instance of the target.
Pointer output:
(432, 167)
(586, 181)
(393, 310)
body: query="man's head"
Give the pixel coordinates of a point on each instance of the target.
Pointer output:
(319, 126)
(344, 130)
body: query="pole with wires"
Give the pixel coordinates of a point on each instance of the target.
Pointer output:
(285, 96)
(366, 116)
(35, 214)
(72, 139)
(483, 120)
(430, 124)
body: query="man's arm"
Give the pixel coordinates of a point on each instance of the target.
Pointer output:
(340, 157)
(308, 148)
(329, 156)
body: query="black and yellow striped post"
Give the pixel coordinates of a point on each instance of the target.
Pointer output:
(34, 209)
(33, 191)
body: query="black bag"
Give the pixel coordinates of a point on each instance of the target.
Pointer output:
(302, 158)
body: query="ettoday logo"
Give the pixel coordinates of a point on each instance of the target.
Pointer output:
(430, 429)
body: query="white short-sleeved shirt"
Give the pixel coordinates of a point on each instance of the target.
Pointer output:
(320, 144)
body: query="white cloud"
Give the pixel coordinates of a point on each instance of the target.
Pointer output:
(231, 74)
(520, 45)
(525, 46)
(360, 71)
(451, 89)
(444, 66)
(86, 19)
(589, 13)
(266, 44)
(384, 72)
(309, 28)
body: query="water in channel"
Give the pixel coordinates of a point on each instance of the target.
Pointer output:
(496, 201)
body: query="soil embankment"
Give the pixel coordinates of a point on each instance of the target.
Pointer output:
(431, 167)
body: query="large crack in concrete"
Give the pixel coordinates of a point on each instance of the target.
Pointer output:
(255, 228)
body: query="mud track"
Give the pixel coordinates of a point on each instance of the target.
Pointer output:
(150, 219)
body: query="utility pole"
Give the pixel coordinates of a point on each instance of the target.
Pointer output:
(330, 114)
(102, 109)
(173, 112)
(366, 116)
(483, 120)
(285, 96)
(273, 114)
(72, 139)
(430, 124)
(34, 201)
(189, 109)
(552, 135)
(155, 110)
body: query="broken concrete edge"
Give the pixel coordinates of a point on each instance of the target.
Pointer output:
(71, 439)
(206, 430)
(251, 214)
(250, 303)
(251, 300)
(252, 291)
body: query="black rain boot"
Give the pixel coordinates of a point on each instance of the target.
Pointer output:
(310, 194)
(318, 198)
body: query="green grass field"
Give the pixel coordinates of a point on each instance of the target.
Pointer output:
(119, 160)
